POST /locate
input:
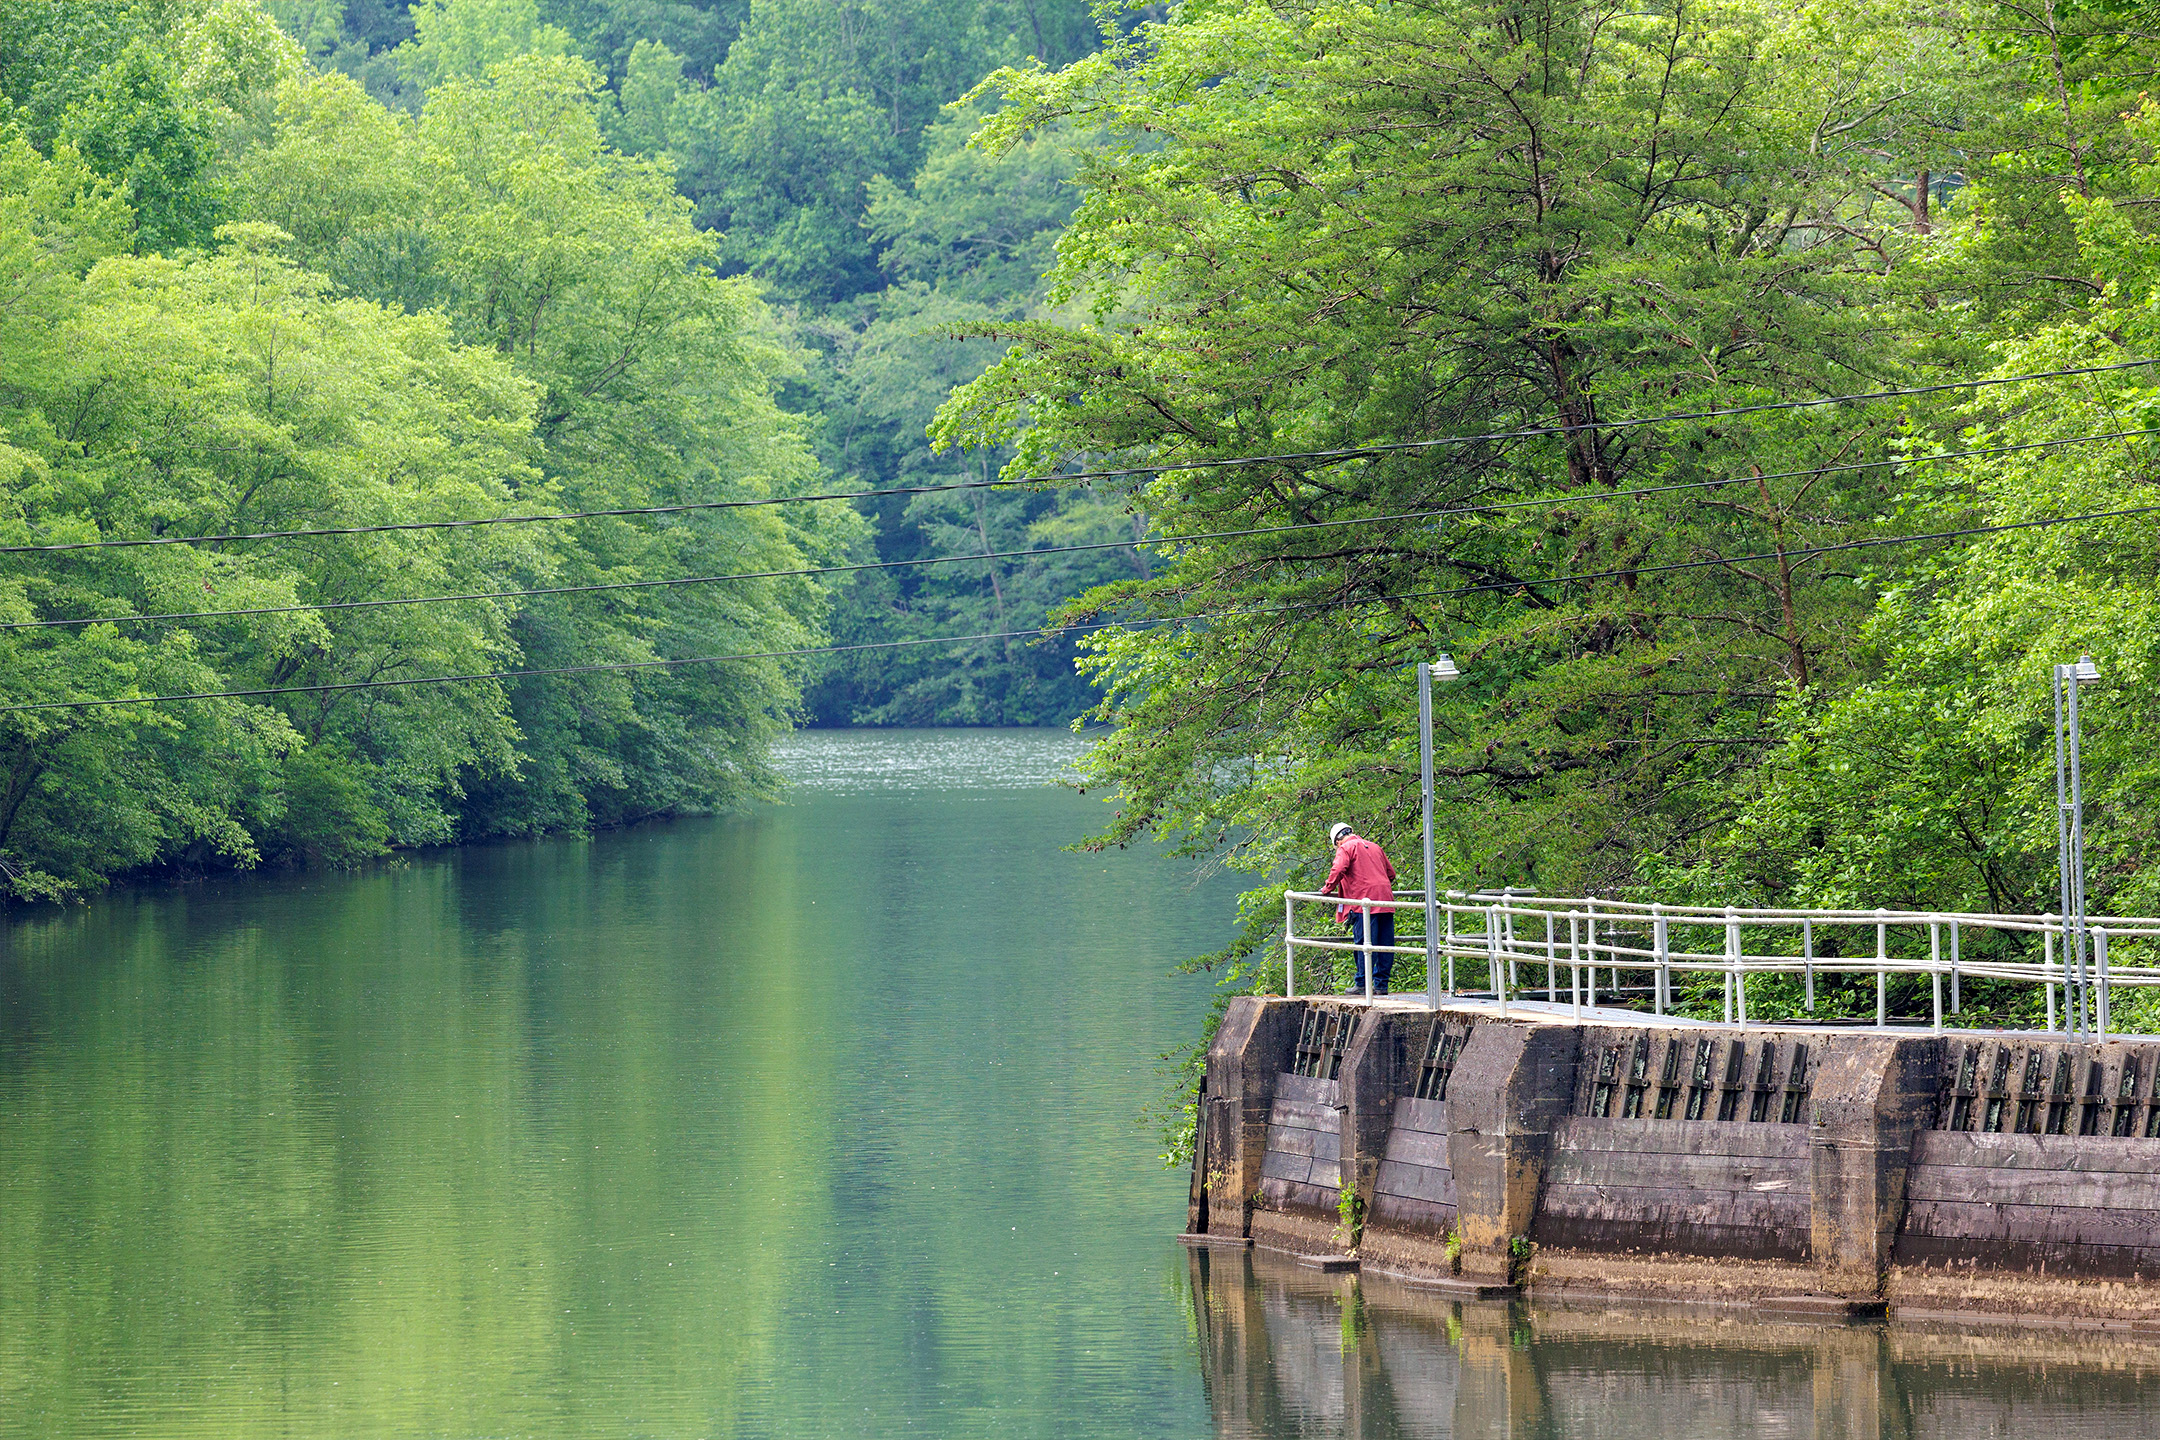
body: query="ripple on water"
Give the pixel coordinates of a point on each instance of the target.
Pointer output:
(855, 761)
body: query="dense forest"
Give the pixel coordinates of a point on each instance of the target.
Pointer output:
(312, 267)
(297, 265)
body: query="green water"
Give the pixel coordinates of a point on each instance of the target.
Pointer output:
(812, 1122)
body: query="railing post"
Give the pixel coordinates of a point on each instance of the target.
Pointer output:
(1935, 968)
(1501, 940)
(1451, 952)
(1732, 960)
(1574, 947)
(1590, 944)
(1370, 959)
(1663, 995)
(1552, 965)
(1514, 976)
(1289, 946)
(1957, 998)
(2047, 963)
(2100, 964)
(1740, 973)
(1882, 966)
(1807, 949)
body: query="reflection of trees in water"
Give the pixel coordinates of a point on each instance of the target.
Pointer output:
(1291, 1352)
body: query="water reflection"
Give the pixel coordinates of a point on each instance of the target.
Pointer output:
(1287, 1351)
(815, 1121)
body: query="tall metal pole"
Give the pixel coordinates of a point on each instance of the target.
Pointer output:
(1432, 894)
(2071, 1006)
(2070, 841)
(2086, 1016)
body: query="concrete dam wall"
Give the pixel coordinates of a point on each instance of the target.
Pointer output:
(1805, 1169)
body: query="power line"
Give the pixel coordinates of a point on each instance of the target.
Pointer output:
(1126, 472)
(1546, 431)
(475, 522)
(1798, 552)
(743, 575)
(1443, 512)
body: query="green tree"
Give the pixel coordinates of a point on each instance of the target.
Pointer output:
(813, 104)
(460, 39)
(229, 392)
(135, 125)
(1390, 223)
(968, 241)
(580, 267)
(1930, 781)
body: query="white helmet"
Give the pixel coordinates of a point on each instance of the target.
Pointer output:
(1335, 835)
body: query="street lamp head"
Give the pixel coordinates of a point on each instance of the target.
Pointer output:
(2085, 669)
(1443, 668)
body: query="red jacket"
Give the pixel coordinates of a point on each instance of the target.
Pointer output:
(1363, 872)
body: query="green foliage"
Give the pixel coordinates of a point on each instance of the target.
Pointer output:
(423, 318)
(1349, 1216)
(968, 241)
(816, 102)
(330, 817)
(134, 126)
(1932, 779)
(505, 207)
(462, 39)
(228, 392)
(978, 224)
(650, 85)
(1263, 269)
(50, 54)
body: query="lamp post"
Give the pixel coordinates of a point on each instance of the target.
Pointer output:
(1441, 668)
(2070, 837)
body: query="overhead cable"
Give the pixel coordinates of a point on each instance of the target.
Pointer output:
(1444, 512)
(1045, 631)
(1161, 467)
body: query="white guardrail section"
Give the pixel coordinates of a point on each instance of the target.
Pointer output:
(1585, 948)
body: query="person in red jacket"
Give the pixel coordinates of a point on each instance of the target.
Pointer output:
(1362, 872)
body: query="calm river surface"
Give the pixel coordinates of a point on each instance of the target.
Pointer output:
(811, 1122)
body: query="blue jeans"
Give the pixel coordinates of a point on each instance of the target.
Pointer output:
(1381, 962)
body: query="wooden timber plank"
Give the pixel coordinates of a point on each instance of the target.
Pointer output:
(1306, 1089)
(1282, 1139)
(1681, 1137)
(1402, 1212)
(1416, 1147)
(2037, 1152)
(1430, 1115)
(1289, 1195)
(2085, 1189)
(1304, 1117)
(1417, 1181)
(1677, 1172)
(1670, 1208)
(1976, 1225)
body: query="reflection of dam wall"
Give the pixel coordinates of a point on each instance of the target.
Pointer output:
(1937, 1171)
(1288, 1351)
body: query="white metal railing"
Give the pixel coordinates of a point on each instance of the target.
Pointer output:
(1638, 948)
